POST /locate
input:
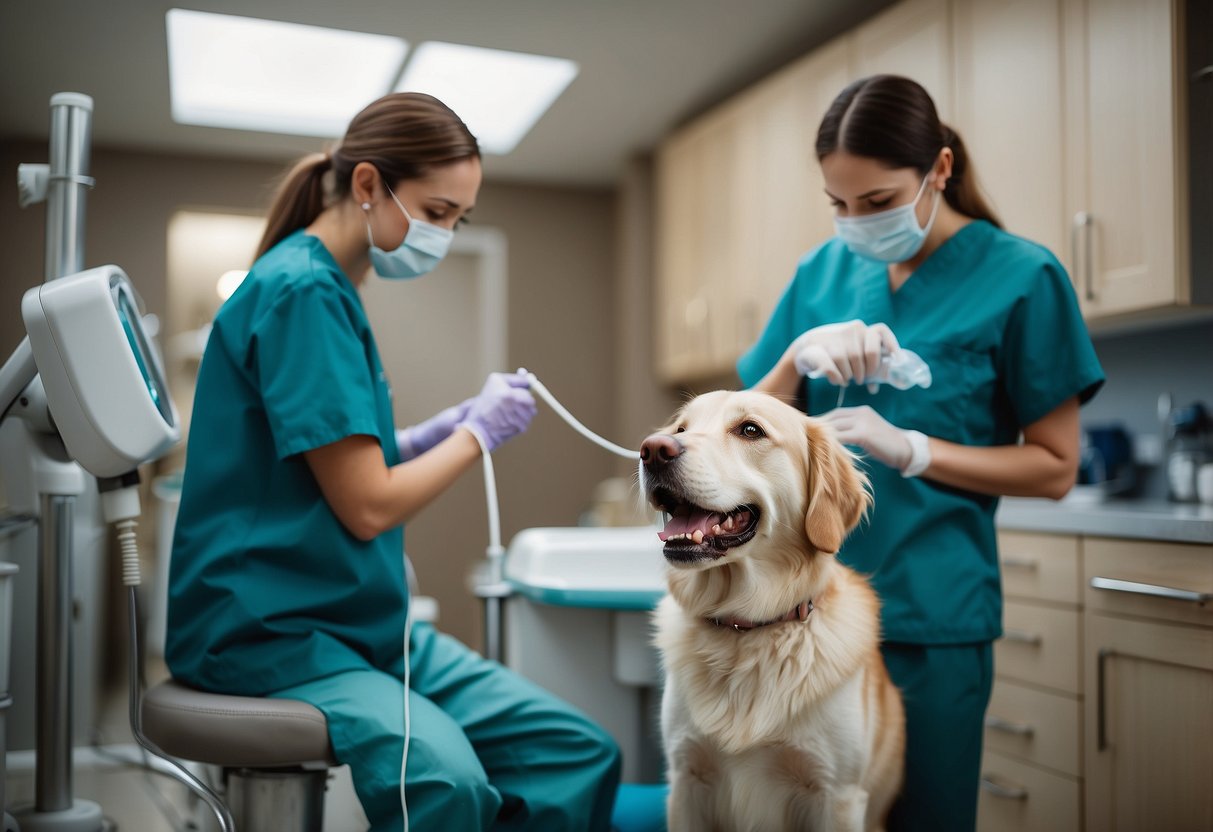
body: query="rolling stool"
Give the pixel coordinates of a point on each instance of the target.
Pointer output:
(275, 753)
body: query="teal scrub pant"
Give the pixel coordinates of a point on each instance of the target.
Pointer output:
(487, 748)
(945, 690)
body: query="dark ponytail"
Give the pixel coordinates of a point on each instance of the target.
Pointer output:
(403, 135)
(893, 120)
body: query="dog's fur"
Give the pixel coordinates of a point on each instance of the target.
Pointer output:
(794, 725)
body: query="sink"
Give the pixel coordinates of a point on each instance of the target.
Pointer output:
(607, 568)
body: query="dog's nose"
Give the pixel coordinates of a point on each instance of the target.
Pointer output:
(659, 449)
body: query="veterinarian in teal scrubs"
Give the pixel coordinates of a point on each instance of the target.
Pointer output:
(920, 262)
(287, 574)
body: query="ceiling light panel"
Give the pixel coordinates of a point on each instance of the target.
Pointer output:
(250, 74)
(499, 95)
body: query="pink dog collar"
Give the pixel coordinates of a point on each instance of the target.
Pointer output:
(800, 612)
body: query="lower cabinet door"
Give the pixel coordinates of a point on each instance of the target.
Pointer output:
(1016, 797)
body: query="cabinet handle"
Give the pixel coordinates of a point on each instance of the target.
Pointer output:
(1153, 590)
(1015, 562)
(1021, 636)
(1101, 698)
(999, 790)
(1019, 729)
(1082, 225)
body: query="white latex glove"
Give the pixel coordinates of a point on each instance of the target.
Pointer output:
(904, 450)
(844, 352)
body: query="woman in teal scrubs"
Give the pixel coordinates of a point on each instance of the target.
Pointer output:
(920, 262)
(288, 577)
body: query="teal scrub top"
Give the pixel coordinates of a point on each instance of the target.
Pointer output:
(996, 319)
(267, 588)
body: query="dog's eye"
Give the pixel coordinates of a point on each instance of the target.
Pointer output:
(680, 429)
(751, 431)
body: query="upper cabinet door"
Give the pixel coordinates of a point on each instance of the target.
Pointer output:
(679, 286)
(1009, 111)
(782, 210)
(1134, 220)
(911, 39)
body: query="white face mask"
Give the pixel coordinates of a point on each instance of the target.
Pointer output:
(420, 252)
(892, 236)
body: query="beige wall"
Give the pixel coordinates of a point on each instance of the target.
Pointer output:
(561, 312)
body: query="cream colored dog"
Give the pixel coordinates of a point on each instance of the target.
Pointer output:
(778, 711)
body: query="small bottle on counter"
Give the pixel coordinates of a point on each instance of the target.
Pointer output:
(1189, 447)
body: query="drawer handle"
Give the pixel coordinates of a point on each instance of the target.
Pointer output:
(1021, 636)
(999, 790)
(1014, 562)
(1019, 729)
(1153, 590)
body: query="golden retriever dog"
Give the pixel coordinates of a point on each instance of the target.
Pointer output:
(778, 712)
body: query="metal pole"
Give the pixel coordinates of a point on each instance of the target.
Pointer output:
(60, 480)
(53, 764)
(67, 183)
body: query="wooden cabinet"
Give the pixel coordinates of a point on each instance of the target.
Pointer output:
(696, 172)
(1125, 131)
(1149, 678)
(1075, 115)
(1102, 708)
(739, 200)
(1075, 118)
(911, 38)
(782, 211)
(1031, 775)
(1010, 77)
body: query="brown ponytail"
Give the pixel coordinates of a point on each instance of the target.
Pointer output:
(403, 135)
(961, 190)
(299, 200)
(893, 120)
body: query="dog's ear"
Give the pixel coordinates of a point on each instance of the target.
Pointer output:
(838, 491)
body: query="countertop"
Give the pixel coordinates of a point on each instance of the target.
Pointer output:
(1080, 514)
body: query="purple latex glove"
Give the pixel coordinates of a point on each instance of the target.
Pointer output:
(413, 441)
(503, 409)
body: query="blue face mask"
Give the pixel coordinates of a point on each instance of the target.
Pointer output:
(422, 250)
(892, 236)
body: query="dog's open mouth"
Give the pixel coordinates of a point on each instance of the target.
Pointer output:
(697, 533)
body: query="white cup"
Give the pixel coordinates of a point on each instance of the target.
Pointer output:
(1204, 484)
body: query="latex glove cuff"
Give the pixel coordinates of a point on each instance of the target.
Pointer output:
(920, 453)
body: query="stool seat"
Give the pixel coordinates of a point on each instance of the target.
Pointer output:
(235, 731)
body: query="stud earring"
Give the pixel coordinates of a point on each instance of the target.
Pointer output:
(366, 206)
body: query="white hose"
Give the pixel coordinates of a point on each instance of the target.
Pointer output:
(130, 577)
(404, 755)
(495, 552)
(130, 552)
(538, 388)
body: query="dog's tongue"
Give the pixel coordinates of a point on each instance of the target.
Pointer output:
(688, 523)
